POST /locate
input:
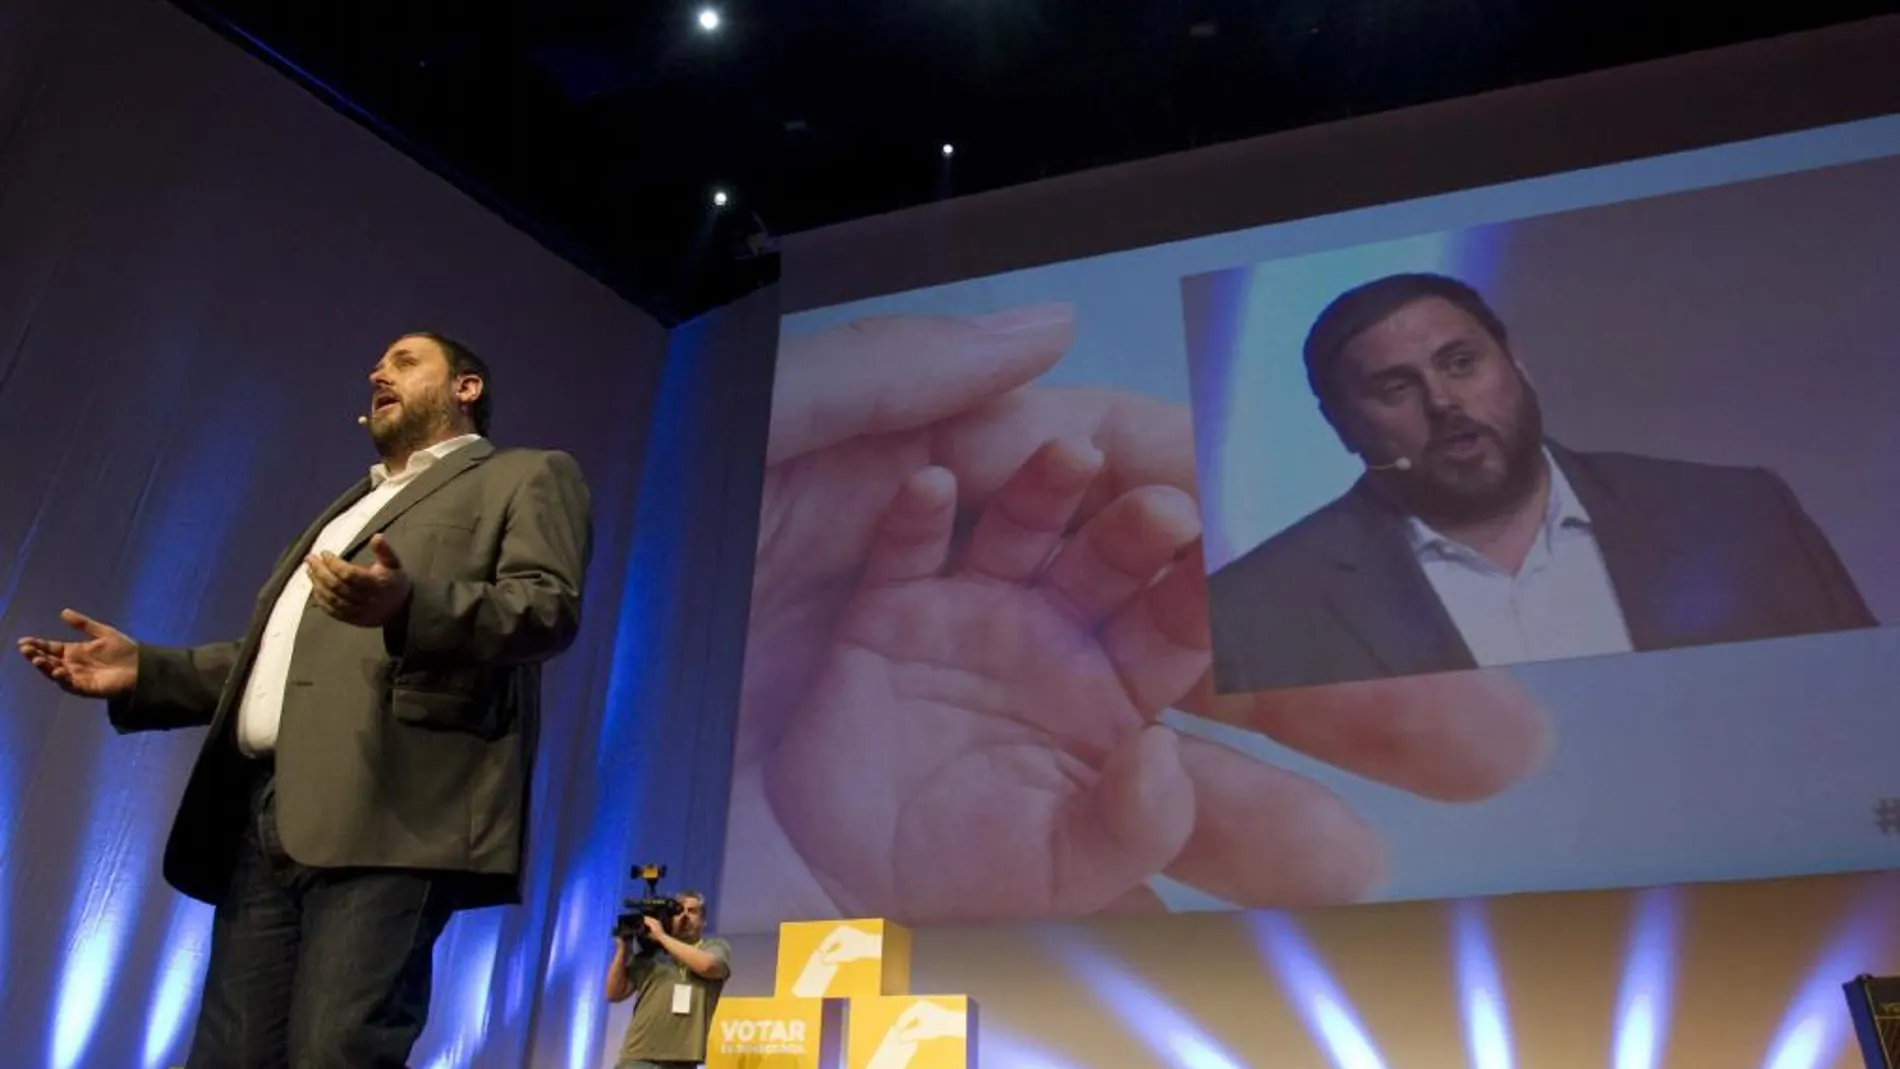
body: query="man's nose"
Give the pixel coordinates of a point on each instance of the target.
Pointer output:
(1441, 397)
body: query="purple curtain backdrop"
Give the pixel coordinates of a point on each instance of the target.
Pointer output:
(199, 261)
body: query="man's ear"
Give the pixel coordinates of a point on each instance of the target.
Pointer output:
(468, 388)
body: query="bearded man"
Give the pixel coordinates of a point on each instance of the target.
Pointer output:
(366, 772)
(1473, 540)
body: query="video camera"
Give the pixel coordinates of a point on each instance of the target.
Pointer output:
(631, 923)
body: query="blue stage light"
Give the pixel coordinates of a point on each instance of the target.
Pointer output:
(102, 914)
(1161, 1027)
(181, 972)
(1644, 1003)
(1487, 1022)
(1816, 1022)
(1310, 988)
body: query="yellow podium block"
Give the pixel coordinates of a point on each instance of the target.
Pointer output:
(842, 959)
(912, 1032)
(775, 1033)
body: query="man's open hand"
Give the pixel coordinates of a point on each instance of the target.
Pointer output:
(105, 665)
(366, 597)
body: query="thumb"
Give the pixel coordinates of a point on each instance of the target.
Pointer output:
(385, 556)
(81, 622)
(1131, 824)
(895, 373)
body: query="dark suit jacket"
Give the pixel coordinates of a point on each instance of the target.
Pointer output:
(1697, 553)
(409, 745)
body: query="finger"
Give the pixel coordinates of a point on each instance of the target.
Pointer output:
(913, 536)
(1143, 442)
(1024, 523)
(322, 599)
(1130, 824)
(1159, 642)
(1456, 736)
(385, 553)
(331, 590)
(51, 667)
(339, 577)
(1121, 550)
(80, 621)
(322, 576)
(1264, 837)
(332, 603)
(341, 570)
(874, 376)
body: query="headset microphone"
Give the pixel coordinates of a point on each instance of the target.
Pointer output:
(1401, 464)
(362, 421)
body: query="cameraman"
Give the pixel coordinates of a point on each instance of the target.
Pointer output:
(675, 977)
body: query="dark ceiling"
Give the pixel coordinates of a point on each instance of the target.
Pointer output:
(603, 128)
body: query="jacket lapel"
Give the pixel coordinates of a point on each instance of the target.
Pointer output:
(434, 478)
(1381, 594)
(1626, 538)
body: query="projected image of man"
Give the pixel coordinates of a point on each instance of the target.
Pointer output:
(1474, 539)
(674, 974)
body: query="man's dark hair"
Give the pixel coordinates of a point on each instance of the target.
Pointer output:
(465, 361)
(1363, 307)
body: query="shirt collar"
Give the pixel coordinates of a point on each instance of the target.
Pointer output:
(1561, 512)
(420, 461)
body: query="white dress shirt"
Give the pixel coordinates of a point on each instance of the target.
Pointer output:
(1559, 604)
(263, 702)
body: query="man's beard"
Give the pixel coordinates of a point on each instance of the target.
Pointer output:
(1458, 494)
(423, 419)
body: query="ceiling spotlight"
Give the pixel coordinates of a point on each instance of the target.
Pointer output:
(708, 19)
(719, 198)
(949, 150)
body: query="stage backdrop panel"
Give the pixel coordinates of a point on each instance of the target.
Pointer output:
(199, 264)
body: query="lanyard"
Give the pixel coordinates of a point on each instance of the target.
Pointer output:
(681, 966)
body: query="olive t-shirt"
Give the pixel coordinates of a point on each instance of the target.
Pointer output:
(657, 1033)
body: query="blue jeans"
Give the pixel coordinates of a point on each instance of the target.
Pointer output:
(316, 968)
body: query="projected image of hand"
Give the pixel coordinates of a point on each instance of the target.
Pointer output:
(1021, 693)
(973, 597)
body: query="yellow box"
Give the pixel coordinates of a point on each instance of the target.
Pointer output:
(912, 1032)
(842, 959)
(775, 1033)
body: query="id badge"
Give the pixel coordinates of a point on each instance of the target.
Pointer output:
(682, 998)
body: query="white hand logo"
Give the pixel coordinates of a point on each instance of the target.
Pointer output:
(844, 944)
(921, 1022)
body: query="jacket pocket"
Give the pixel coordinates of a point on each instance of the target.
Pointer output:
(438, 709)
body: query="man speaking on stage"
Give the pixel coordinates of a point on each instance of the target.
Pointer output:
(372, 735)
